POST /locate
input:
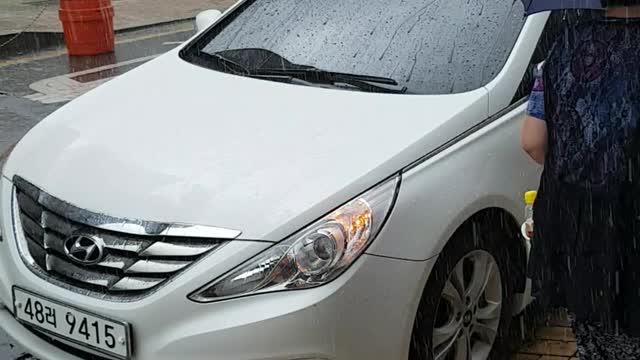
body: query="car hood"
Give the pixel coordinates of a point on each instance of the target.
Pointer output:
(174, 142)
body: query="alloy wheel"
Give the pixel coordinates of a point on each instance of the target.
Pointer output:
(469, 309)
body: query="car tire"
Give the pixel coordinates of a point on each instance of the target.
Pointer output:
(446, 319)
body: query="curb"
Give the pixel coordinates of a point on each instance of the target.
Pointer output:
(28, 42)
(148, 26)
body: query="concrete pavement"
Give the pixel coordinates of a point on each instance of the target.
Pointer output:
(28, 26)
(19, 15)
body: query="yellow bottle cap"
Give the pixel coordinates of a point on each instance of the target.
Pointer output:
(530, 197)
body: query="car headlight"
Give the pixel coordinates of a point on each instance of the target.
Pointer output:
(313, 256)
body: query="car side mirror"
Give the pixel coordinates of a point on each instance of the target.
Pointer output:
(207, 18)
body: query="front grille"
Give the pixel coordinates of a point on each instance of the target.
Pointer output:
(130, 265)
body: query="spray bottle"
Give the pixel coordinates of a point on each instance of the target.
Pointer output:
(529, 199)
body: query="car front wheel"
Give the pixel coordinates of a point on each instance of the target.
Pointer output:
(464, 312)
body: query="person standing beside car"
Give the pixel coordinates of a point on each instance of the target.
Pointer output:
(581, 121)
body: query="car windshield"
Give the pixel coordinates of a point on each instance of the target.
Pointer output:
(424, 46)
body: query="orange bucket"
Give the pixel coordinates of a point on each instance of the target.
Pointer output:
(88, 26)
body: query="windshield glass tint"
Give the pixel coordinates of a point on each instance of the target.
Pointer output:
(429, 46)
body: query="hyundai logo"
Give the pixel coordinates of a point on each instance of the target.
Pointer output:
(84, 249)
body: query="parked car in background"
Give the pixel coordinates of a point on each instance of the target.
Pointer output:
(301, 180)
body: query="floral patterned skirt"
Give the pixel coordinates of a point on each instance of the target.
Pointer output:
(594, 343)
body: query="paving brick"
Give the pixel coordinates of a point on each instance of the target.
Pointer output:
(558, 318)
(561, 322)
(551, 347)
(555, 333)
(526, 357)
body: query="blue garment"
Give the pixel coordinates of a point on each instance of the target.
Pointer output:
(536, 99)
(593, 88)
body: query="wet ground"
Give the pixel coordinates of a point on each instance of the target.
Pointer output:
(553, 339)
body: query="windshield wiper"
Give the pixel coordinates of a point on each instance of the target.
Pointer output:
(312, 72)
(314, 75)
(220, 61)
(259, 63)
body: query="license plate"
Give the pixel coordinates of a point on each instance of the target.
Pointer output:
(69, 323)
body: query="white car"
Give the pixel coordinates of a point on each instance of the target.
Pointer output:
(304, 179)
